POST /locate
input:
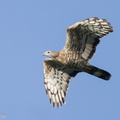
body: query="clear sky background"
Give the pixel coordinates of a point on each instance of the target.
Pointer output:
(28, 28)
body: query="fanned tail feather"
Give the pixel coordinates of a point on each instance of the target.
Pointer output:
(97, 72)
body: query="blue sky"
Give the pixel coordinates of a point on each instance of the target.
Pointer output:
(28, 28)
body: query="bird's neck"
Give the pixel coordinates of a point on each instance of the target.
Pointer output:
(55, 54)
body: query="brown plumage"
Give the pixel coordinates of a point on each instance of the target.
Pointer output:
(81, 41)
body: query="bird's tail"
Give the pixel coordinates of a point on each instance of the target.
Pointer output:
(97, 72)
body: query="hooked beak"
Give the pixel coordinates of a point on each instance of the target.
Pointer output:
(43, 54)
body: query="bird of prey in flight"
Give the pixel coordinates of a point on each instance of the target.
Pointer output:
(82, 39)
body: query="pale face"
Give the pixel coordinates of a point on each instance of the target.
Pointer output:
(48, 53)
(51, 54)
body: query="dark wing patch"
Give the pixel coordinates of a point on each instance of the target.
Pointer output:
(56, 80)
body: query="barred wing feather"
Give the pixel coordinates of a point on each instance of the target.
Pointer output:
(84, 36)
(56, 80)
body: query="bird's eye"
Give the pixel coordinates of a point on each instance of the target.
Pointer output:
(48, 52)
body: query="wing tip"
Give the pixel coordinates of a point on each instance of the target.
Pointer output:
(56, 100)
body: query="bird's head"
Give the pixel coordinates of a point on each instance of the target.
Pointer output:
(51, 54)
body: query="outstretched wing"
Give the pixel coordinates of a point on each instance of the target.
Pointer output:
(56, 80)
(84, 36)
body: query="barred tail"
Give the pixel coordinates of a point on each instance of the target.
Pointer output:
(97, 72)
